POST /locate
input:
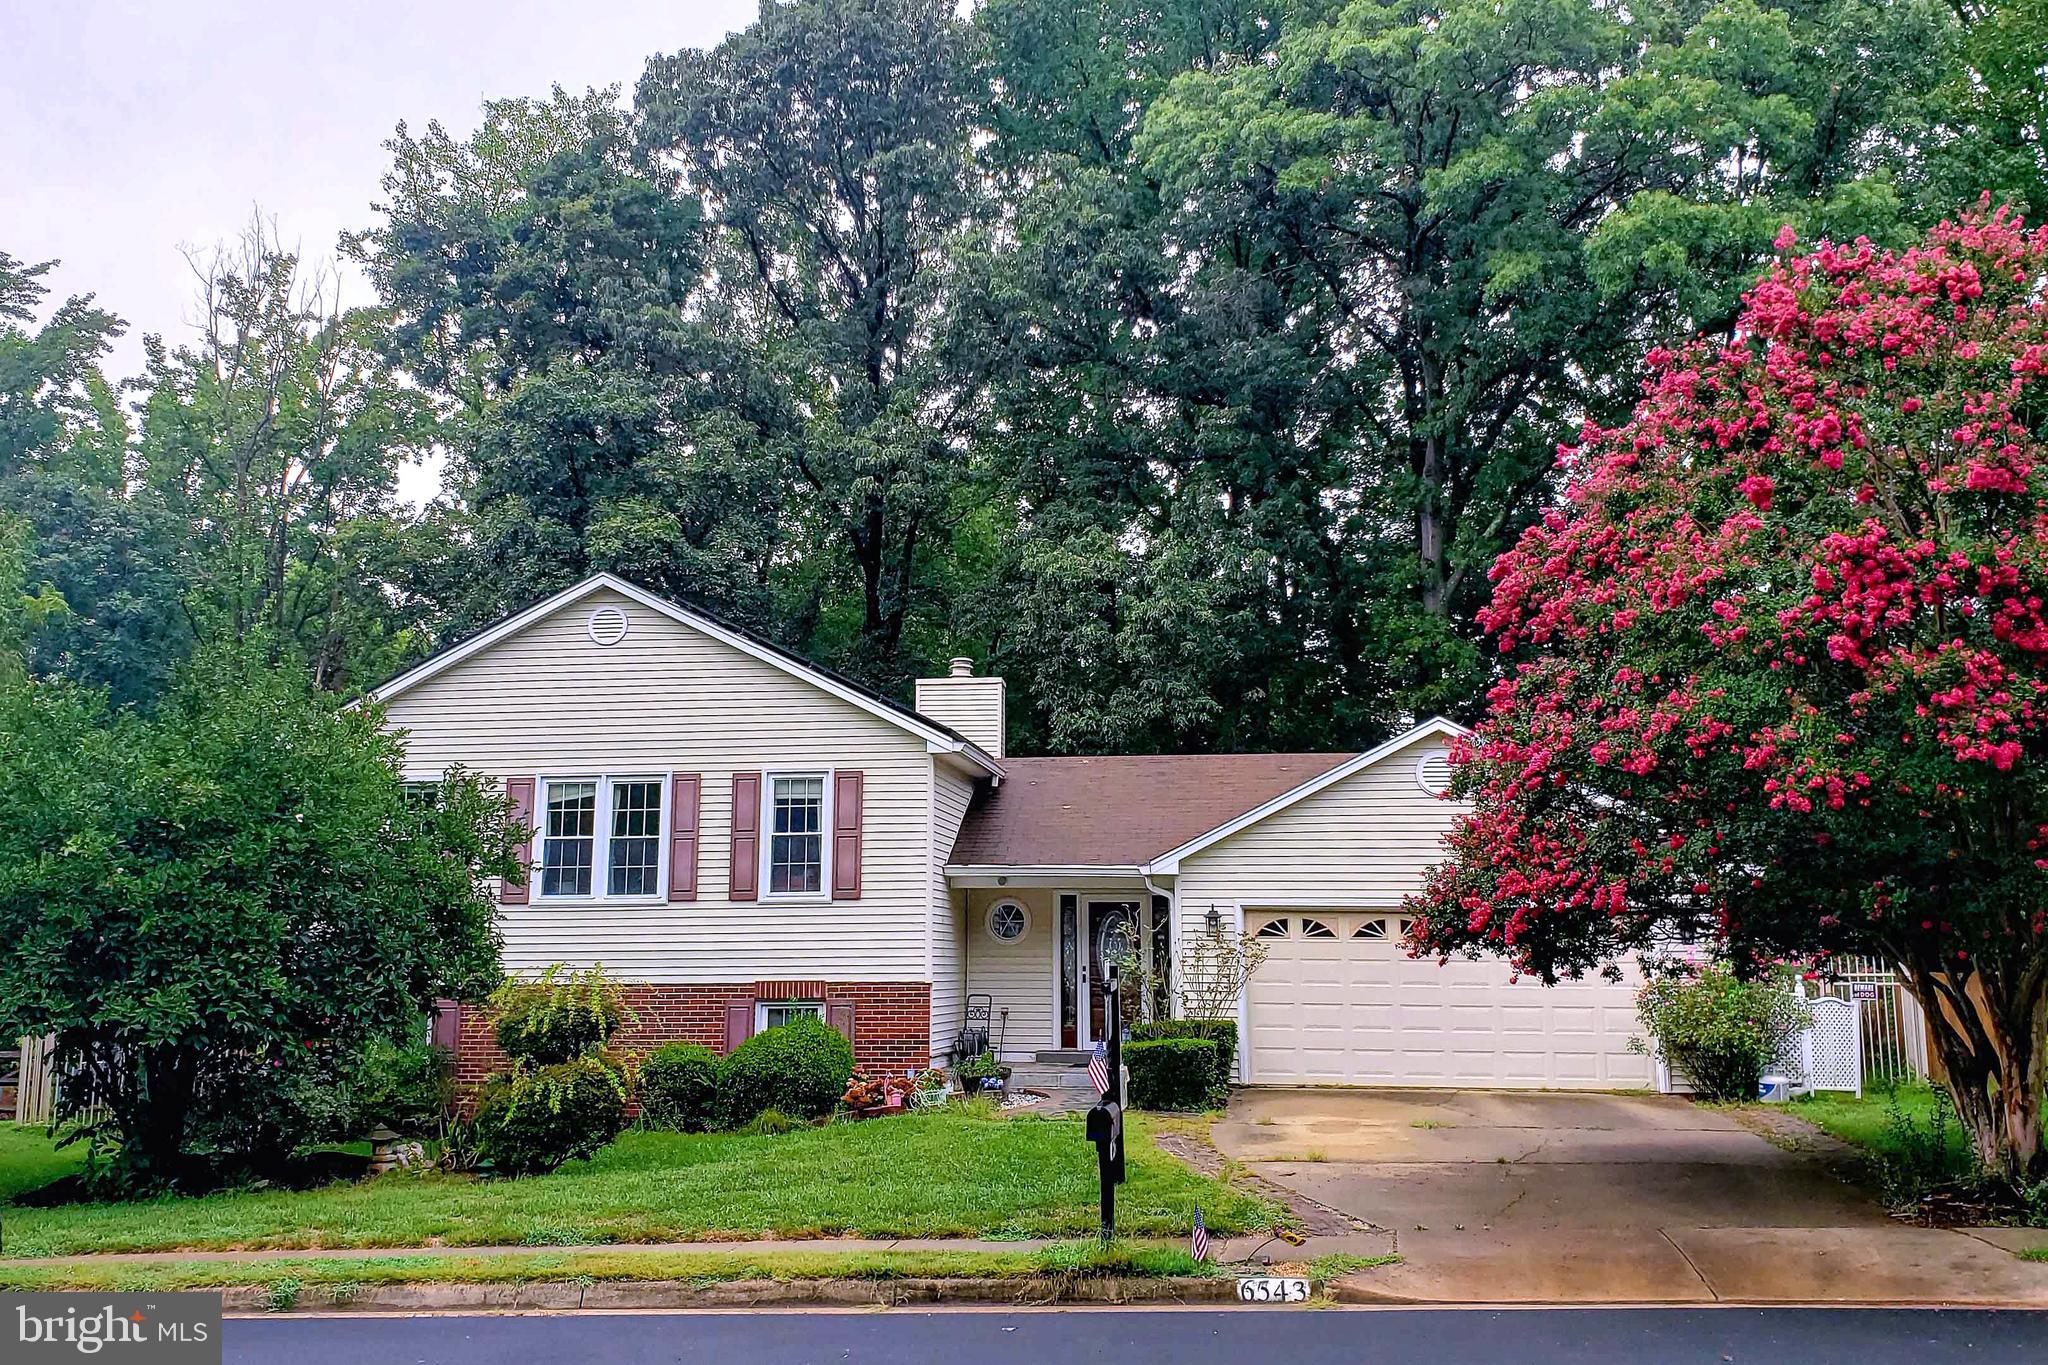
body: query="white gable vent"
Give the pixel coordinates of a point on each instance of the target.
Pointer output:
(1433, 772)
(607, 626)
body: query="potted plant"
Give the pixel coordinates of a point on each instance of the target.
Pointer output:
(983, 1073)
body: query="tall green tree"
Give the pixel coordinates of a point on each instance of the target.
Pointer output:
(831, 145)
(81, 535)
(215, 906)
(541, 277)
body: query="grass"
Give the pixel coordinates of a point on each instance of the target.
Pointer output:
(29, 1160)
(924, 1175)
(1869, 1123)
(285, 1280)
(2033, 1254)
(1323, 1269)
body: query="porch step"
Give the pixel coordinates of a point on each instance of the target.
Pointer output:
(1062, 1057)
(1051, 1077)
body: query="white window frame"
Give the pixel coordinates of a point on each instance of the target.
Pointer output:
(766, 824)
(761, 1008)
(988, 921)
(601, 835)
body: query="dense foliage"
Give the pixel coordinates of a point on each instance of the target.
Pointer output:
(555, 1015)
(215, 908)
(530, 1122)
(564, 1095)
(1783, 675)
(1172, 1073)
(799, 1069)
(1721, 1031)
(678, 1088)
(407, 1086)
(1221, 1032)
(1187, 362)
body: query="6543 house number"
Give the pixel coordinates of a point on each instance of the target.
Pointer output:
(1272, 1289)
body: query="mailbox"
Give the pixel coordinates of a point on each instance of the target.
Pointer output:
(1104, 1123)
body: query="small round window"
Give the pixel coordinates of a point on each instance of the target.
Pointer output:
(1007, 921)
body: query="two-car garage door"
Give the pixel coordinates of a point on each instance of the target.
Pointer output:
(1339, 1002)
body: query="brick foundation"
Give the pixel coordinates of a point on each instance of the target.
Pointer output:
(891, 1022)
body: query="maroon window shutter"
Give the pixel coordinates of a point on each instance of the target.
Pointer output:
(512, 890)
(739, 1023)
(446, 1029)
(746, 836)
(846, 794)
(682, 836)
(839, 1014)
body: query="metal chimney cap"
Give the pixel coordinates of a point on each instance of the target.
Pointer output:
(960, 666)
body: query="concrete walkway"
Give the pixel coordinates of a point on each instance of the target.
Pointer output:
(1521, 1197)
(764, 1246)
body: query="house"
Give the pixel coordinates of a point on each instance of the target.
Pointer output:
(744, 837)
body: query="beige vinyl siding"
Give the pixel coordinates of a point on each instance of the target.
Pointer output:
(951, 796)
(1017, 976)
(547, 701)
(970, 707)
(1366, 840)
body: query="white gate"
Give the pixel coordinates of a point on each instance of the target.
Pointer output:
(1894, 1032)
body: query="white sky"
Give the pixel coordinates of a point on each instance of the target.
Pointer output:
(130, 129)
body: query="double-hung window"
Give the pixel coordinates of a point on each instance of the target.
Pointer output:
(796, 834)
(601, 837)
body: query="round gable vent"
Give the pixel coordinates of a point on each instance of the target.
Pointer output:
(607, 626)
(1433, 772)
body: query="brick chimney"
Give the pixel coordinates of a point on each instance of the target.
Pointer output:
(964, 703)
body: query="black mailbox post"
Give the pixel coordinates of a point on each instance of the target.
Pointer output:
(1105, 1126)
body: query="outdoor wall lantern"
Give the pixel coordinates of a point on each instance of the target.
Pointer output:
(1215, 922)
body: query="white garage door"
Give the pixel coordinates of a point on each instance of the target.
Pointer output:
(1339, 1001)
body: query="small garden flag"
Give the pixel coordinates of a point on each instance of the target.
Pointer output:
(1200, 1239)
(1098, 1068)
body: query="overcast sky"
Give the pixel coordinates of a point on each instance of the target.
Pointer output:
(130, 129)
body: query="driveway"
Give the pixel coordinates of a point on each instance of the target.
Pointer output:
(1505, 1196)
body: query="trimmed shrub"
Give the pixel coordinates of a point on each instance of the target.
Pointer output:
(1222, 1032)
(1171, 1073)
(679, 1088)
(554, 1017)
(532, 1123)
(1719, 1030)
(800, 1069)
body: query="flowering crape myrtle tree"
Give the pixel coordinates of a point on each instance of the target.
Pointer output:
(1782, 675)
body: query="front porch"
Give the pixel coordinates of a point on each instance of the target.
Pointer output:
(1038, 946)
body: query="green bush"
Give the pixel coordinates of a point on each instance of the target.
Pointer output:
(408, 1088)
(552, 1017)
(531, 1122)
(679, 1088)
(1722, 1032)
(770, 1123)
(1222, 1032)
(800, 1068)
(1171, 1073)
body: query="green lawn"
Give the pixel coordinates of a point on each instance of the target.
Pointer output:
(1076, 1259)
(29, 1160)
(925, 1175)
(1868, 1122)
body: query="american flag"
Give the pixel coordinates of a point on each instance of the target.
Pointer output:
(1200, 1239)
(1098, 1068)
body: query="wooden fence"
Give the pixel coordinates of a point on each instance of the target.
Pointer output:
(32, 1098)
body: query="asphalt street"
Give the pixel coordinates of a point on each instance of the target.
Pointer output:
(1273, 1336)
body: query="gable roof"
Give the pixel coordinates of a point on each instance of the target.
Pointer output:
(1119, 810)
(937, 737)
(1169, 861)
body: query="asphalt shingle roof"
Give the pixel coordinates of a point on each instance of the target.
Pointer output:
(1120, 810)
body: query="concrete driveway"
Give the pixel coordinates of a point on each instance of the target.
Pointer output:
(1499, 1196)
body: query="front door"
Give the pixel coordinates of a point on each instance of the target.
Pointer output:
(1112, 931)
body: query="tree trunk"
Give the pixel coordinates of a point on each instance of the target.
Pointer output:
(1990, 1043)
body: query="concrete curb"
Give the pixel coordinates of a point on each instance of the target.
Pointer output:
(572, 1296)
